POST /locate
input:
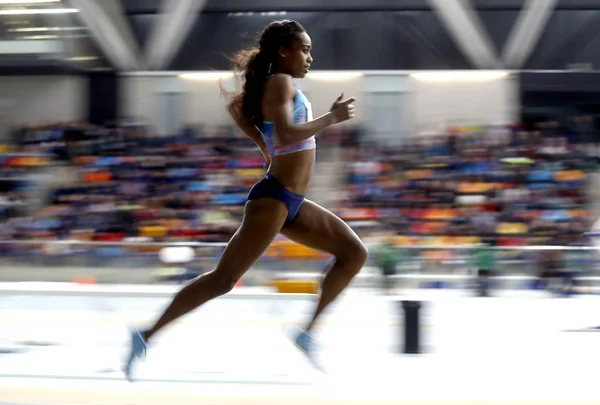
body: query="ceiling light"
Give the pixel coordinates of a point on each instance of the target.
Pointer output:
(39, 11)
(45, 29)
(334, 75)
(457, 75)
(27, 1)
(273, 13)
(39, 37)
(82, 58)
(74, 36)
(206, 75)
(241, 14)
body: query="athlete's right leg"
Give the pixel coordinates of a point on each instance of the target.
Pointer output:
(263, 219)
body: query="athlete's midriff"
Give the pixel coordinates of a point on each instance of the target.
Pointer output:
(295, 170)
(292, 164)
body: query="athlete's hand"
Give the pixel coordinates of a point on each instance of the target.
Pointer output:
(342, 110)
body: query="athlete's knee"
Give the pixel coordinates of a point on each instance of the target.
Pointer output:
(361, 253)
(223, 282)
(355, 253)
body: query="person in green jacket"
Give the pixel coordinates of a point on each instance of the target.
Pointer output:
(386, 258)
(483, 260)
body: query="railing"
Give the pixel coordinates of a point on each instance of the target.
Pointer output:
(139, 262)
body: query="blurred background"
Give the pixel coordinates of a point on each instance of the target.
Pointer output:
(471, 169)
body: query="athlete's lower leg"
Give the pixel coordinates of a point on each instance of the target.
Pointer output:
(196, 293)
(338, 278)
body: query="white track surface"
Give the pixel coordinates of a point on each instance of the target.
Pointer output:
(512, 349)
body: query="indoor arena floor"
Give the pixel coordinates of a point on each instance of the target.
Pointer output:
(517, 348)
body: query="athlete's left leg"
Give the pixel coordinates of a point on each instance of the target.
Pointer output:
(320, 229)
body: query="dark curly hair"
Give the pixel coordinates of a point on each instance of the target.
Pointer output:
(255, 64)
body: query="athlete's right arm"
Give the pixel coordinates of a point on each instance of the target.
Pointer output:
(279, 106)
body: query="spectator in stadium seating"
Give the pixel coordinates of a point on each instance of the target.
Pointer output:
(386, 259)
(484, 262)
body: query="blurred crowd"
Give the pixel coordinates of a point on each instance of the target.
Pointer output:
(502, 186)
(128, 185)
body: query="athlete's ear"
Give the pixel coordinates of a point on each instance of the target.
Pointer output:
(283, 51)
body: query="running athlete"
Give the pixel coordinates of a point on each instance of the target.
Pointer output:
(277, 116)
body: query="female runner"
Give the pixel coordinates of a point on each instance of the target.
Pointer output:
(278, 118)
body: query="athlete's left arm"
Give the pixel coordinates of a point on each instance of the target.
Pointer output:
(253, 133)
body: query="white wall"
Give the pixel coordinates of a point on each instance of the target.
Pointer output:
(140, 98)
(438, 105)
(202, 103)
(414, 105)
(390, 111)
(322, 93)
(39, 99)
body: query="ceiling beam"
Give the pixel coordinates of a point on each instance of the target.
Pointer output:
(106, 22)
(168, 33)
(527, 31)
(116, 12)
(466, 29)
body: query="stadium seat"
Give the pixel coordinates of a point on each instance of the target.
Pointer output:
(152, 231)
(507, 228)
(569, 176)
(439, 213)
(419, 174)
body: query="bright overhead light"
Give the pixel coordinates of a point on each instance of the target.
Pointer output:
(45, 29)
(27, 1)
(334, 75)
(82, 58)
(241, 14)
(74, 36)
(39, 11)
(39, 37)
(273, 13)
(206, 75)
(458, 75)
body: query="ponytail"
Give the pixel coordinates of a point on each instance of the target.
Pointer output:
(252, 66)
(245, 106)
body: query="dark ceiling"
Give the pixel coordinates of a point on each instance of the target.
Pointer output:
(373, 34)
(212, 6)
(348, 34)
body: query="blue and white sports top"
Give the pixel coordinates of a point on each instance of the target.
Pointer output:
(302, 113)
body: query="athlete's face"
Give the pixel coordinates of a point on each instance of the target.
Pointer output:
(296, 59)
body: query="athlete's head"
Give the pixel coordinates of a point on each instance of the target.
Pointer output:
(286, 46)
(283, 47)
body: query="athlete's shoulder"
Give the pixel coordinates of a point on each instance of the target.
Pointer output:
(280, 78)
(281, 87)
(280, 81)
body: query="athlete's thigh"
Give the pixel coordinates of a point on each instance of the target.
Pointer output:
(319, 228)
(263, 219)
